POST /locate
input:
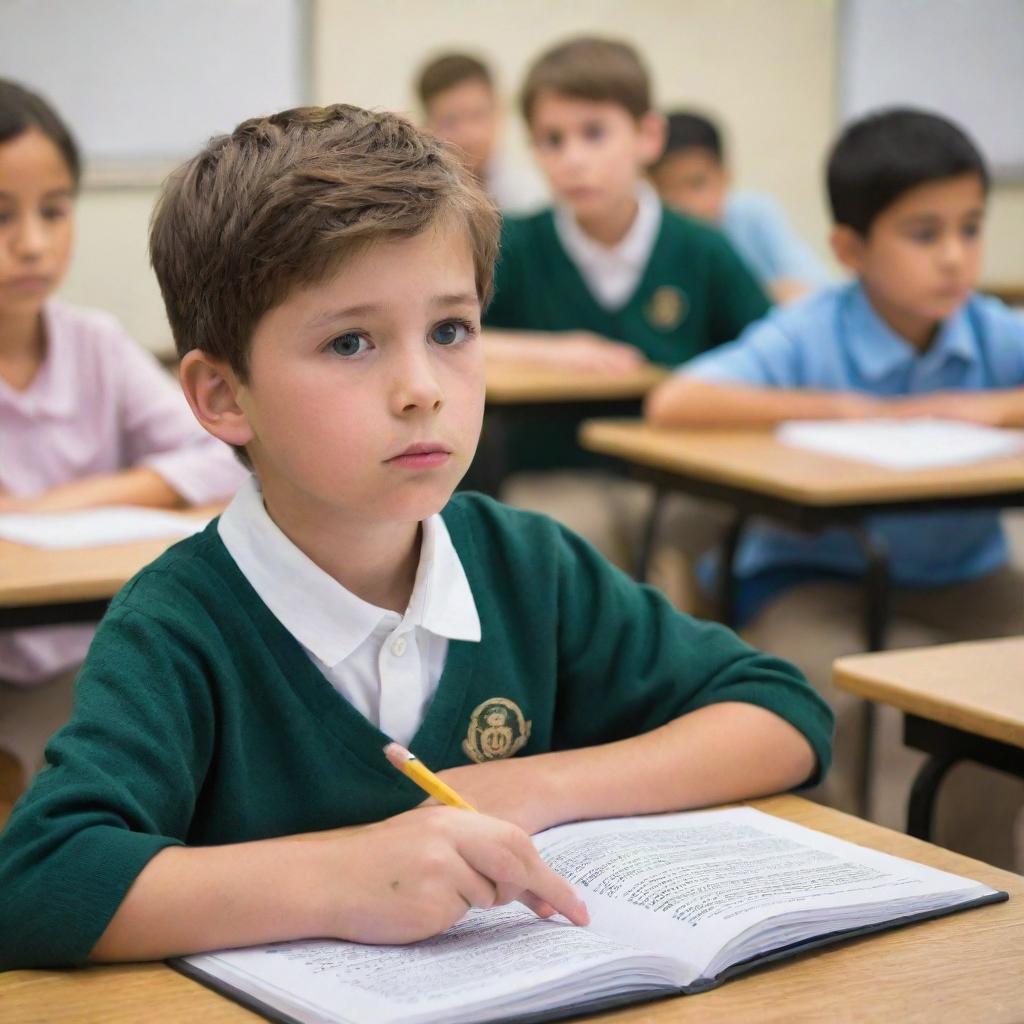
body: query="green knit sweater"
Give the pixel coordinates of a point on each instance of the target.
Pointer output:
(200, 720)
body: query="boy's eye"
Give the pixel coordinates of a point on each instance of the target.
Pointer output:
(924, 235)
(971, 230)
(551, 140)
(54, 213)
(593, 130)
(449, 333)
(350, 344)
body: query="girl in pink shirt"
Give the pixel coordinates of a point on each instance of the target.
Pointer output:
(87, 417)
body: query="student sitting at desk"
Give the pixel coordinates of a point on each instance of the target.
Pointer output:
(460, 105)
(86, 416)
(691, 176)
(323, 271)
(907, 338)
(608, 277)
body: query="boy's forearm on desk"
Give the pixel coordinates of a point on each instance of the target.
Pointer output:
(716, 754)
(140, 486)
(688, 402)
(237, 895)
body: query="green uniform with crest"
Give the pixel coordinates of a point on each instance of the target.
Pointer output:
(200, 720)
(694, 293)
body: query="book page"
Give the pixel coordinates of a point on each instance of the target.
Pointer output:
(96, 527)
(495, 957)
(689, 884)
(903, 444)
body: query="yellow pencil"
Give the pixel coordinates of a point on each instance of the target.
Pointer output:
(412, 766)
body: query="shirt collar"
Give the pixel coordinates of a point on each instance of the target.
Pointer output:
(54, 389)
(879, 351)
(632, 251)
(328, 620)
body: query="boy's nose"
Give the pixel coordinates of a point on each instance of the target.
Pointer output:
(416, 387)
(31, 238)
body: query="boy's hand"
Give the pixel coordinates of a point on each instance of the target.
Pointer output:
(580, 351)
(414, 875)
(986, 410)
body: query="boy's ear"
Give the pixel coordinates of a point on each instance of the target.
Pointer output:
(849, 247)
(212, 390)
(652, 129)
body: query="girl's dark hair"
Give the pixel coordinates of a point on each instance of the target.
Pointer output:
(21, 110)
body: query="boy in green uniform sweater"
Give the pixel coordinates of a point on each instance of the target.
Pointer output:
(324, 271)
(606, 279)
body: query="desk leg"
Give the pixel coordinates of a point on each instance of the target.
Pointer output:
(726, 571)
(650, 533)
(923, 794)
(876, 619)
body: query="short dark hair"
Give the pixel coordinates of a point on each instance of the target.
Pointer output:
(879, 157)
(690, 130)
(22, 110)
(590, 68)
(447, 71)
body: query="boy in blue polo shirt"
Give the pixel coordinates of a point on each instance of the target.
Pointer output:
(907, 338)
(692, 176)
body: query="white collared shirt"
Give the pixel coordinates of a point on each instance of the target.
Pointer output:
(385, 664)
(612, 272)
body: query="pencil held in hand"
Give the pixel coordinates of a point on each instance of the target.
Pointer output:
(409, 764)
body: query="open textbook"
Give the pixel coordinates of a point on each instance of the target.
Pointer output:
(678, 903)
(903, 444)
(96, 527)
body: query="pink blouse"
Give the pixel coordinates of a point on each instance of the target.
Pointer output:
(100, 403)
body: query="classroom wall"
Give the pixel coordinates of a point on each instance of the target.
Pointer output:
(767, 69)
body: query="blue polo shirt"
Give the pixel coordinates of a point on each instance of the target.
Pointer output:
(761, 234)
(835, 341)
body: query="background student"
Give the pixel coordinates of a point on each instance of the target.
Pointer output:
(86, 416)
(606, 279)
(908, 337)
(692, 176)
(460, 105)
(345, 596)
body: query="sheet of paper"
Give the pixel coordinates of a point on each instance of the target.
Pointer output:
(692, 883)
(903, 444)
(96, 527)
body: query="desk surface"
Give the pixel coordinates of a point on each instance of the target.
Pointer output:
(967, 967)
(513, 383)
(972, 686)
(755, 460)
(37, 576)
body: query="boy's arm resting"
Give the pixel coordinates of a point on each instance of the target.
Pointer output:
(1002, 408)
(656, 712)
(689, 401)
(566, 350)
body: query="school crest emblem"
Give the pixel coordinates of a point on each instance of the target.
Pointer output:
(667, 308)
(497, 729)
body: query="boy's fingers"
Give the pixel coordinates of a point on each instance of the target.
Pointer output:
(552, 888)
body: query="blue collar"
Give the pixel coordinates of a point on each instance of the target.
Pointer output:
(878, 351)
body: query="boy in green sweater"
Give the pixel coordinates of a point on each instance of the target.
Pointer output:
(606, 279)
(323, 272)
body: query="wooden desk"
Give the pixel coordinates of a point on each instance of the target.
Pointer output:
(968, 967)
(758, 475)
(518, 392)
(42, 587)
(959, 701)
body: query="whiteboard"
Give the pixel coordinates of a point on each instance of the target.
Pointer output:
(960, 58)
(147, 82)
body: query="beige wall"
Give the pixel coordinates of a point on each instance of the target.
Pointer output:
(766, 69)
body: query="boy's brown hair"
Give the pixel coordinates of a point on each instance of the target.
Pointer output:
(448, 70)
(590, 68)
(282, 201)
